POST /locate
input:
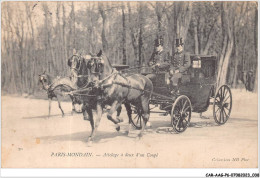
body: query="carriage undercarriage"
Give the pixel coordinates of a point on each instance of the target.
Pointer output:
(179, 108)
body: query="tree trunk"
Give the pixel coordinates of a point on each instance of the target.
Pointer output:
(196, 40)
(124, 34)
(234, 80)
(256, 48)
(64, 40)
(159, 14)
(104, 19)
(73, 26)
(133, 34)
(228, 43)
(141, 29)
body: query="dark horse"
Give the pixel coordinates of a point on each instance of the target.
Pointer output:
(249, 84)
(79, 76)
(47, 81)
(248, 79)
(115, 90)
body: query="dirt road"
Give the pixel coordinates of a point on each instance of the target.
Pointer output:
(30, 139)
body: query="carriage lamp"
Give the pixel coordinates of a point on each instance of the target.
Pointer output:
(196, 64)
(88, 57)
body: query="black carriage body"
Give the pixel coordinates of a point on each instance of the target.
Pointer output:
(196, 87)
(198, 84)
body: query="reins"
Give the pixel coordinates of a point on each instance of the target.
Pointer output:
(133, 68)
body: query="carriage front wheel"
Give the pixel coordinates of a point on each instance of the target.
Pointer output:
(222, 105)
(181, 114)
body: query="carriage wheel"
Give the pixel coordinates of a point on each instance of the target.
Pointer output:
(222, 105)
(181, 114)
(137, 117)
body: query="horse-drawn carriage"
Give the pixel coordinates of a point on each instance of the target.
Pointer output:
(106, 86)
(197, 90)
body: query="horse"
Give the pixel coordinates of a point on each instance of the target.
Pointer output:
(246, 78)
(79, 75)
(47, 81)
(114, 89)
(249, 84)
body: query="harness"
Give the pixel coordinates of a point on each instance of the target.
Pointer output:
(128, 85)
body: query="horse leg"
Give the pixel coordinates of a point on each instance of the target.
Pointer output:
(145, 113)
(73, 104)
(119, 109)
(91, 119)
(60, 107)
(49, 107)
(86, 112)
(113, 108)
(129, 114)
(94, 129)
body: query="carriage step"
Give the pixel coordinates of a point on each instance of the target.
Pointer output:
(160, 113)
(164, 114)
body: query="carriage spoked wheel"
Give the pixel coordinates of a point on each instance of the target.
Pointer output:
(137, 117)
(222, 105)
(181, 114)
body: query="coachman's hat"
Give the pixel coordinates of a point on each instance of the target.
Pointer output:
(158, 41)
(179, 42)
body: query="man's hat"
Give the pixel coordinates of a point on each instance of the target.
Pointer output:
(179, 42)
(158, 41)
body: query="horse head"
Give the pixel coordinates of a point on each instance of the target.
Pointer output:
(44, 79)
(78, 67)
(74, 62)
(99, 66)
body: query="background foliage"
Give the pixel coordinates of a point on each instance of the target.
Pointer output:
(41, 36)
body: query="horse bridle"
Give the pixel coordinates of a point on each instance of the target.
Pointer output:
(44, 81)
(78, 66)
(97, 64)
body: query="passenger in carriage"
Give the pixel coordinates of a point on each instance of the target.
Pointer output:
(180, 64)
(160, 60)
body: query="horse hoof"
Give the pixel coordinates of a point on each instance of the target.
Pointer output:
(148, 124)
(90, 143)
(118, 128)
(140, 135)
(86, 118)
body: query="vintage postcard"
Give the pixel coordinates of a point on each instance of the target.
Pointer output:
(129, 84)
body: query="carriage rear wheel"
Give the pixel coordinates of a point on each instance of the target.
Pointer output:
(222, 105)
(181, 114)
(137, 117)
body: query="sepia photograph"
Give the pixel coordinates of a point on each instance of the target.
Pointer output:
(144, 84)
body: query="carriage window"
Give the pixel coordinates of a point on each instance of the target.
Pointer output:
(208, 68)
(196, 64)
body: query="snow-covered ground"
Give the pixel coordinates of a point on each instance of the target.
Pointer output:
(30, 139)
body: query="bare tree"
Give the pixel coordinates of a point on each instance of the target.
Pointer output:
(124, 33)
(227, 20)
(133, 31)
(104, 20)
(141, 30)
